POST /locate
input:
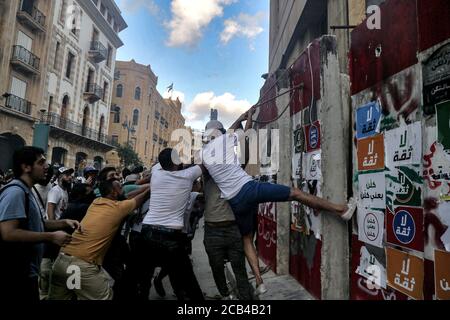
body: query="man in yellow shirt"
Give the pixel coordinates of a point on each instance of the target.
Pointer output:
(77, 272)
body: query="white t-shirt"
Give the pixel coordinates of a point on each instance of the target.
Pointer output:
(170, 192)
(43, 193)
(221, 159)
(60, 197)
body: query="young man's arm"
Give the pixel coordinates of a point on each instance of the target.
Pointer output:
(141, 197)
(51, 210)
(10, 232)
(55, 225)
(137, 192)
(238, 123)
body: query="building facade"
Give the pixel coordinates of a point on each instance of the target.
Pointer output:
(25, 30)
(139, 114)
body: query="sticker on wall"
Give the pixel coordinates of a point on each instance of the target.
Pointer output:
(405, 228)
(442, 274)
(403, 145)
(436, 170)
(312, 136)
(371, 153)
(372, 187)
(296, 165)
(405, 273)
(312, 219)
(298, 216)
(371, 269)
(404, 187)
(371, 226)
(312, 165)
(443, 125)
(368, 119)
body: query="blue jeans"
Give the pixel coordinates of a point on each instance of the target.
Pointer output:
(251, 194)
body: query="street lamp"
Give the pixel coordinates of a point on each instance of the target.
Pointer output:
(130, 128)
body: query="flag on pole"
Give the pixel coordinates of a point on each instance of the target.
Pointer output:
(170, 88)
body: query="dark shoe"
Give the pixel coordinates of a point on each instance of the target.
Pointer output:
(157, 283)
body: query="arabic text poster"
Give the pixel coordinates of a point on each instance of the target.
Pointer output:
(443, 125)
(372, 190)
(296, 165)
(404, 145)
(371, 153)
(405, 273)
(404, 186)
(442, 274)
(312, 136)
(371, 227)
(368, 119)
(405, 228)
(371, 269)
(312, 162)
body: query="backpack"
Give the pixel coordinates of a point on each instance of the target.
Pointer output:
(15, 256)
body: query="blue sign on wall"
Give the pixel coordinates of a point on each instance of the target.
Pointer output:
(404, 227)
(313, 137)
(368, 119)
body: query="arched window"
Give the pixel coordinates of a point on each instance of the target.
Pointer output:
(135, 117)
(85, 123)
(137, 94)
(116, 116)
(119, 91)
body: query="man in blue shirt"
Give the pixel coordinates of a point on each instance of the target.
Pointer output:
(23, 230)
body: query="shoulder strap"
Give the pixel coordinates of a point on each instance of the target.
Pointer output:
(39, 196)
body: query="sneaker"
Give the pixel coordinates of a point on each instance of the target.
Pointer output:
(261, 289)
(352, 204)
(159, 288)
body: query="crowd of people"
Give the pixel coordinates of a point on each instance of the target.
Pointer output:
(103, 235)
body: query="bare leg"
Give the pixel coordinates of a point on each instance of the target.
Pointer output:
(316, 202)
(252, 258)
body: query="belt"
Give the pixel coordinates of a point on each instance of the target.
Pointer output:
(165, 229)
(220, 224)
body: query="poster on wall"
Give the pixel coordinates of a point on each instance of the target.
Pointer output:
(312, 165)
(442, 274)
(404, 186)
(443, 125)
(444, 215)
(297, 165)
(372, 189)
(405, 273)
(368, 118)
(371, 153)
(371, 226)
(405, 228)
(371, 269)
(312, 136)
(403, 145)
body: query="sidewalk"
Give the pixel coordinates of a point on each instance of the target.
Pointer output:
(279, 287)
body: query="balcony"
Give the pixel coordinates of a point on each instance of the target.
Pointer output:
(18, 104)
(30, 16)
(98, 52)
(25, 61)
(93, 93)
(75, 132)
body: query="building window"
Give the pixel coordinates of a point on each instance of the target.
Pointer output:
(115, 140)
(157, 114)
(135, 117)
(137, 94)
(102, 9)
(155, 137)
(55, 62)
(116, 117)
(145, 152)
(119, 91)
(70, 62)
(148, 120)
(109, 59)
(105, 91)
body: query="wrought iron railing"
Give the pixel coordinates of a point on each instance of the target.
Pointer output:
(29, 7)
(25, 56)
(99, 47)
(94, 89)
(18, 104)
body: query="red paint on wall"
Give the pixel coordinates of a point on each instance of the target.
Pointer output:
(309, 278)
(434, 25)
(267, 237)
(300, 73)
(268, 110)
(398, 43)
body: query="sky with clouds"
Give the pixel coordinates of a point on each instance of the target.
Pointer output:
(213, 51)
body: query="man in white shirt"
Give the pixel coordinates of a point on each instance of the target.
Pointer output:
(58, 197)
(163, 224)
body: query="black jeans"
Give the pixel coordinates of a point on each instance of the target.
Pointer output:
(226, 243)
(168, 250)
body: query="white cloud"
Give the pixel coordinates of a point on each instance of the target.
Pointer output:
(198, 112)
(242, 26)
(174, 95)
(134, 5)
(189, 19)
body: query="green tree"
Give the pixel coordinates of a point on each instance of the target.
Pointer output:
(128, 157)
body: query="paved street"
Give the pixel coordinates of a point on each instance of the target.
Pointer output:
(279, 287)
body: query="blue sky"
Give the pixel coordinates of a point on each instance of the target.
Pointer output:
(213, 51)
